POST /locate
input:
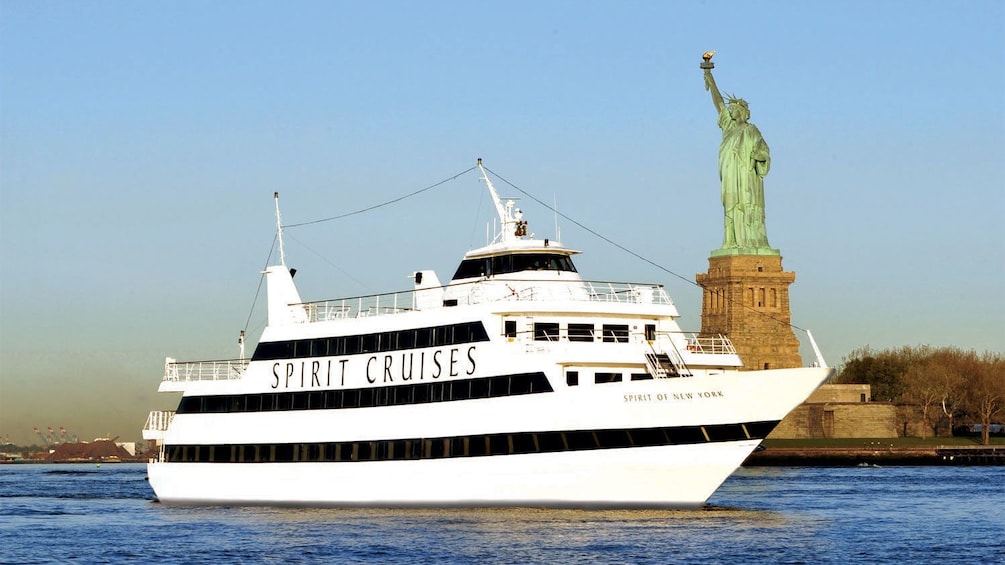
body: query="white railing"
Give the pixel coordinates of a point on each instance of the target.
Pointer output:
(485, 292)
(360, 306)
(627, 293)
(716, 345)
(665, 342)
(178, 371)
(158, 420)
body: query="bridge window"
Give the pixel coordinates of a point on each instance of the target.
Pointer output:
(513, 263)
(616, 333)
(545, 331)
(580, 332)
(601, 378)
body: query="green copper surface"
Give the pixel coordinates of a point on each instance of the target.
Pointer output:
(744, 161)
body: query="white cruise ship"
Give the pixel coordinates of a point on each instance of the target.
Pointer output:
(517, 383)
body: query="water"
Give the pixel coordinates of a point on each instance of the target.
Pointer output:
(83, 513)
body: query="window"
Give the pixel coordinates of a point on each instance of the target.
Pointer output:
(498, 444)
(385, 341)
(509, 327)
(479, 388)
(616, 333)
(600, 378)
(523, 443)
(472, 268)
(352, 344)
(546, 331)
(580, 332)
(319, 347)
(641, 377)
(650, 332)
(423, 337)
(302, 348)
(572, 378)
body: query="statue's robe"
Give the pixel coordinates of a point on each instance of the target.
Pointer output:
(744, 160)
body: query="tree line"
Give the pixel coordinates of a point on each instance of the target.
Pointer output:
(936, 388)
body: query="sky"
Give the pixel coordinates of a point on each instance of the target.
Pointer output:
(141, 143)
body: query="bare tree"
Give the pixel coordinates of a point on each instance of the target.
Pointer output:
(948, 381)
(985, 389)
(923, 390)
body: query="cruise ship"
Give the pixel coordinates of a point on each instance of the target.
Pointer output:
(517, 383)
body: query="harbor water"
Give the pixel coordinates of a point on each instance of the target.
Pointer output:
(90, 514)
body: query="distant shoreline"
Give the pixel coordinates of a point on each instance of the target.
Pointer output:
(889, 451)
(845, 457)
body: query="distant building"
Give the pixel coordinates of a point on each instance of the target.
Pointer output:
(839, 411)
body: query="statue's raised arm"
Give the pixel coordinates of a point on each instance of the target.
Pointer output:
(707, 66)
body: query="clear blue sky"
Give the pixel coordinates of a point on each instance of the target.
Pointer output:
(141, 144)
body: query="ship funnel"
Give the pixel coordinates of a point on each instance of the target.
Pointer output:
(283, 298)
(428, 290)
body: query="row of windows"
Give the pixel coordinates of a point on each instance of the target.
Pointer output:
(502, 264)
(572, 377)
(418, 393)
(761, 297)
(465, 446)
(549, 331)
(413, 338)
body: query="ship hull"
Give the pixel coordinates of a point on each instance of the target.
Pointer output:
(680, 476)
(708, 423)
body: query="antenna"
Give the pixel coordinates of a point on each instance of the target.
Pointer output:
(279, 231)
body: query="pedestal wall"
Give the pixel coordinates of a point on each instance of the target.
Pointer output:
(746, 298)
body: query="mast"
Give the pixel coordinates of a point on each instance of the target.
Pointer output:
(512, 223)
(279, 231)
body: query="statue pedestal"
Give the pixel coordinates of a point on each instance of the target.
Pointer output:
(762, 251)
(746, 298)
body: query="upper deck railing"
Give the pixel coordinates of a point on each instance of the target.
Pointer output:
(487, 291)
(715, 345)
(158, 420)
(184, 371)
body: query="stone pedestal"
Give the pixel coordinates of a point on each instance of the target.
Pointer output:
(746, 298)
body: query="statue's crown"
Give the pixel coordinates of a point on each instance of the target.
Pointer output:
(738, 101)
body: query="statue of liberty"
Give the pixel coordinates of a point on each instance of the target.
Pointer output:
(744, 161)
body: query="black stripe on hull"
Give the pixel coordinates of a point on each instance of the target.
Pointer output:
(466, 446)
(394, 340)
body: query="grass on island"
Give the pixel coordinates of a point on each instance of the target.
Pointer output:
(886, 442)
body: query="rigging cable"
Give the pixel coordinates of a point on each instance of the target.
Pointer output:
(260, 281)
(382, 204)
(367, 209)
